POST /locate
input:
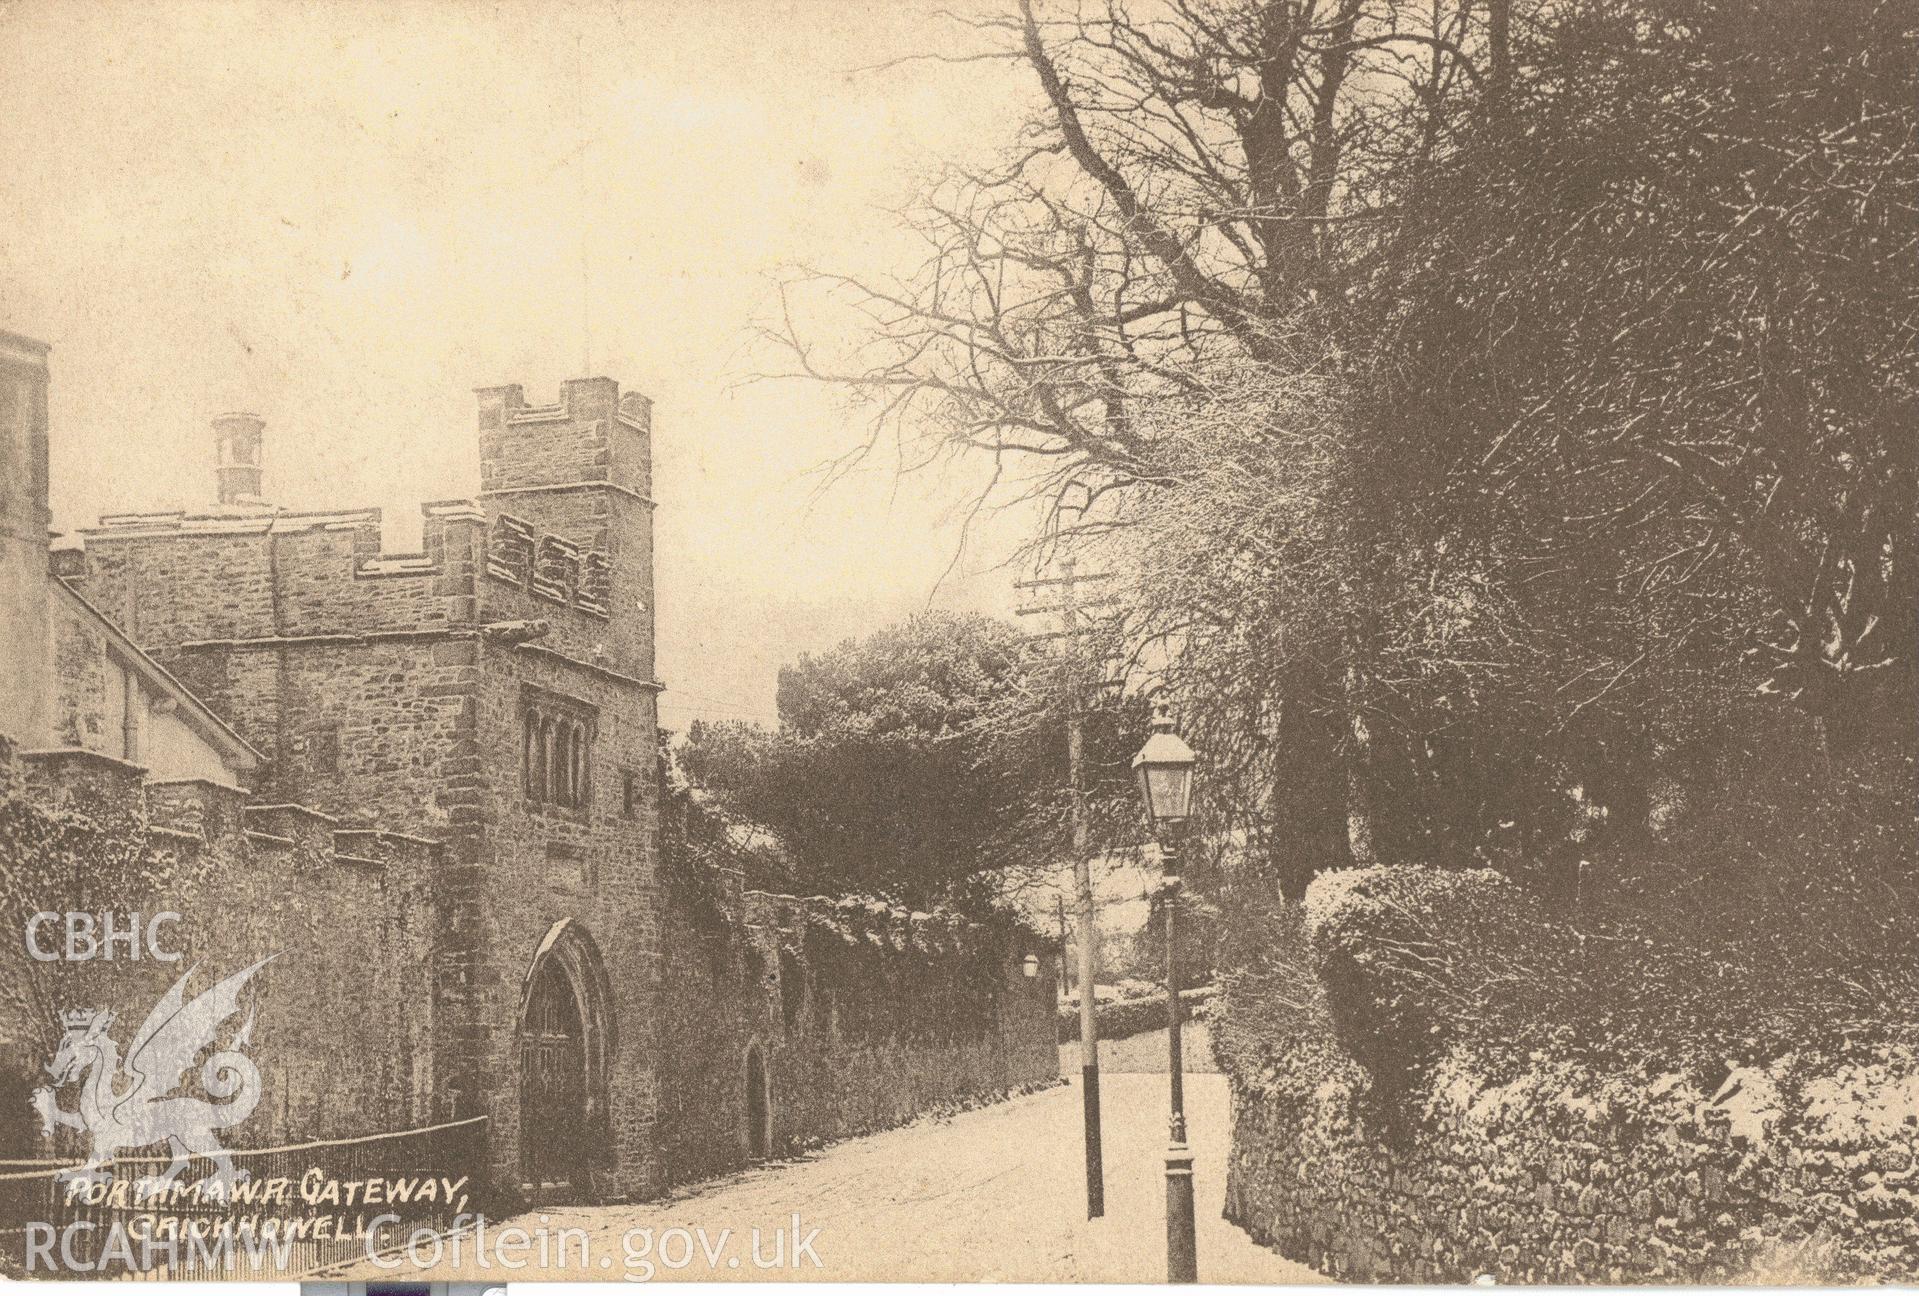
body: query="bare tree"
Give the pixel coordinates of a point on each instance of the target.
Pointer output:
(1483, 396)
(1202, 186)
(1183, 223)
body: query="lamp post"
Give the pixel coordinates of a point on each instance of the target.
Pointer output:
(1164, 768)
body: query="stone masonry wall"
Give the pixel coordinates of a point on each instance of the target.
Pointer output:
(542, 863)
(1800, 1173)
(617, 532)
(425, 729)
(343, 1010)
(863, 1017)
(580, 471)
(87, 711)
(171, 579)
(374, 729)
(24, 525)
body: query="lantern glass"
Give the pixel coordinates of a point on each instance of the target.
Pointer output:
(1030, 966)
(1164, 768)
(1168, 791)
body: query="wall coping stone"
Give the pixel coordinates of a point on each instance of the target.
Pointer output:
(453, 510)
(382, 833)
(216, 784)
(286, 806)
(606, 672)
(57, 755)
(615, 487)
(179, 523)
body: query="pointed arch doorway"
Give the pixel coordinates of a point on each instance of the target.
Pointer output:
(566, 1041)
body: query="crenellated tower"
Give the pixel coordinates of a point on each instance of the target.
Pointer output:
(567, 492)
(492, 693)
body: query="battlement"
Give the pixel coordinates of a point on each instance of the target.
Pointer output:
(563, 520)
(567, 492)
(592, 437)
(74, 780)
(199, 809)
(239, 574)
(109, 796)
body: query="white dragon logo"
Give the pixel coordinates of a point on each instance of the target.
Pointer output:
(137, 1107)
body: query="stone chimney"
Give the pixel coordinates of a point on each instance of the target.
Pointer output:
(237, 440)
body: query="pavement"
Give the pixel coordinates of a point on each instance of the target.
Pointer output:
(993, 1194)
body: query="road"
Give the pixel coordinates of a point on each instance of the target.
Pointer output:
(991, 1194)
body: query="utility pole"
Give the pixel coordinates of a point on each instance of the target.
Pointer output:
(1068, 610)
(1065, 977)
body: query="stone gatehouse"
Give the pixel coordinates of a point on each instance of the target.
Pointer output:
(494, 693)
(465, 741)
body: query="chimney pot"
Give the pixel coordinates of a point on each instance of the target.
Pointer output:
(237, 443)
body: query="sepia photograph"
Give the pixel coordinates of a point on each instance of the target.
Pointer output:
(1259, 642)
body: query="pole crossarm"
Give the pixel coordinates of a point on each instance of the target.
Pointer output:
(1069, 581)
(1055, 609)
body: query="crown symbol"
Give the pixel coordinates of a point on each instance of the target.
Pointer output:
(78, 1018)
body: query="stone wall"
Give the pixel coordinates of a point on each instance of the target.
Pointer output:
(170, 579)
(577, 472)
(425, 728)
(343, 1010)
(576, 600)
(1792, 1174)
(862, 1018)
(1432, 1081)
(538, 864)
(365, 727)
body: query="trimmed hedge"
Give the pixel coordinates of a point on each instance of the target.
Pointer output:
(1406, 956)
(1128, 1017)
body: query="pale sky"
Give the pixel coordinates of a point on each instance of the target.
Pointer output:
(345, 217)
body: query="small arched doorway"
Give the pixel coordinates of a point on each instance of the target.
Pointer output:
(565, 1041)
(759, 1105)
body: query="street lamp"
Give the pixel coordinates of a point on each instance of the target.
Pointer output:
(1030, 966)
(1164, 768)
